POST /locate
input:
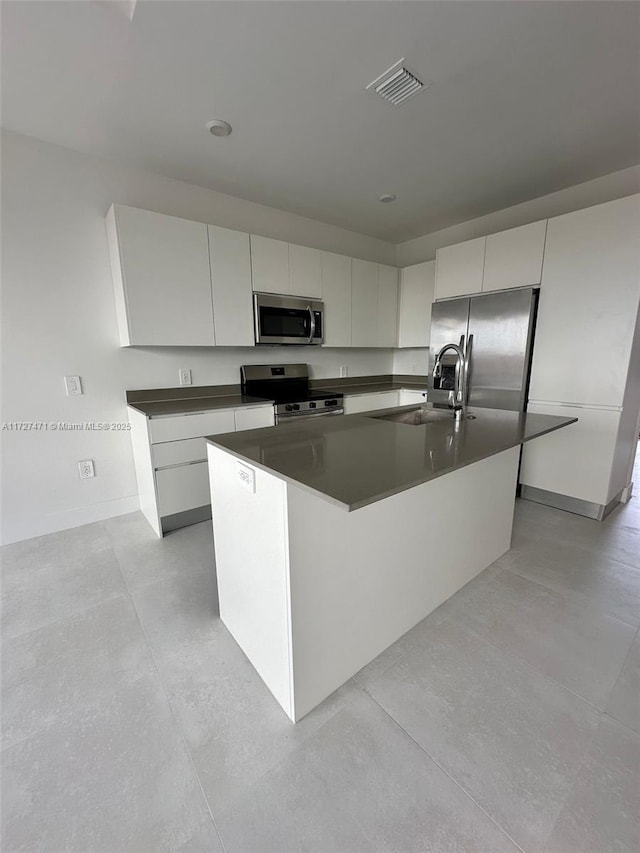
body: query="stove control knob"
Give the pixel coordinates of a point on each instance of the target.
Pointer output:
(296, 407)
(288, 407)
(331, 402)
(312, 405)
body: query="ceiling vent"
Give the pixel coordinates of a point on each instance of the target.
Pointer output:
(397, 84)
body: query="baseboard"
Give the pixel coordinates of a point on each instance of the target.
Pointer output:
(184, 519)
(56, 521)
(569, 504)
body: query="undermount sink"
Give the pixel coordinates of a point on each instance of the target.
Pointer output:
(419, 415)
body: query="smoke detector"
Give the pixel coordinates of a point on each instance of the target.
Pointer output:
(397, 84)
(217, 127)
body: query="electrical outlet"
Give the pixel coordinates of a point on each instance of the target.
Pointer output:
(185, 376)
(73, 384)
(86, 469)
(344, 370)
(247, 477)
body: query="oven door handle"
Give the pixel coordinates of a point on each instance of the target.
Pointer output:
(312, 324)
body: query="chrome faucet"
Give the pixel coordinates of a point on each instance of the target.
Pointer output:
(457, 396)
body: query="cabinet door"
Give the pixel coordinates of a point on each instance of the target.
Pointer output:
(231, 287)
(183, 487)
(162, 279)
(575, 460)
(387, 306)
(336, 295)
(305, 271)
(364, 303)
(459, 268)
(370, 402)
(270, 265)
(514, 258)
(588, 305)
(254, 418)
(416, 296)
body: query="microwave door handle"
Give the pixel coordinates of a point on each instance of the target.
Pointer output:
(312, 324)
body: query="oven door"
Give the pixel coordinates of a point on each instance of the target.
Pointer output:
(287, 320)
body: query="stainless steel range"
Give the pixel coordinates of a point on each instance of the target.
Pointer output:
(288, 386)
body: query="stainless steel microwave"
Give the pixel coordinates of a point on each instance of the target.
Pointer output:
(287, 319)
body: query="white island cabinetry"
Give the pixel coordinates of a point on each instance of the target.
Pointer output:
(301, 619)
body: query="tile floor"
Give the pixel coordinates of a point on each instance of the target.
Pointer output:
(507, 720)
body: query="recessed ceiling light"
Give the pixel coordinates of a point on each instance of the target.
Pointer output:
(386, 198)
(218, 127)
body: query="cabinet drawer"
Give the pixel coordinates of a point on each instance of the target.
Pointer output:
(191, 426)
(370, 402)
(182, 488)
(262, 416)
(179, 452)
(409, 396)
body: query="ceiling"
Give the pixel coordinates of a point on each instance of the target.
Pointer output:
(526, 98)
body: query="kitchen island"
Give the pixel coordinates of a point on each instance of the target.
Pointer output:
(336, 535)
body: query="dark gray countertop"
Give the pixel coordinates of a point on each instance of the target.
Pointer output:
(163, 408)
(159, 402)
(358, 459)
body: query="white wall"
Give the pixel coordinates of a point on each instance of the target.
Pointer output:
(606, 188)
(411, 361)
(59, 318)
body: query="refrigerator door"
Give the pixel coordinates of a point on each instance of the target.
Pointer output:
(449, 322)
(502, 327)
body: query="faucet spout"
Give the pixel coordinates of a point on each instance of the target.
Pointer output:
(457, 399)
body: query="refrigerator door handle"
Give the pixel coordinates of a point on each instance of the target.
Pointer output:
(467, 367)
(461, 375)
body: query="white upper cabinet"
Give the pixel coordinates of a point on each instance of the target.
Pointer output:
(231, 287)
(588, 305)
(305, 271)
(364, 303)
(162, 281)
(514, 258)
(416, 296)
(459, 268)
(387, 306)
(336, 295)
(270, 265)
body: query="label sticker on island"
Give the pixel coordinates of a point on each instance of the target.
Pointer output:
(247, 477)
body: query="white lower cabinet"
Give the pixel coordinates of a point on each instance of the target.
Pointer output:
(178, 452)
(576, 461)
(191, 426)
(369, 402)
(182, 488)
(260, 416)
(170, 456)
(408, 397)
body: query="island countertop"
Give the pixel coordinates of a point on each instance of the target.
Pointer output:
(356, 460)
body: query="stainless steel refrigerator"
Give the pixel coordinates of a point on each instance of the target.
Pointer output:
(495, 332)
